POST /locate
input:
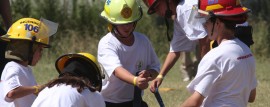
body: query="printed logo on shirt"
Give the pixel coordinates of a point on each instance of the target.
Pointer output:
(244, 57)
(139, 65)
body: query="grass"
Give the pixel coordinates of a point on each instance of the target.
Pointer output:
(175, 93)
(45, 71)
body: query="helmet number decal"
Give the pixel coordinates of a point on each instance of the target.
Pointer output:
(210, 2)
(108, 2)
(31, 27)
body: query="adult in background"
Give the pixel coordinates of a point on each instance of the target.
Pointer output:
(5, 12)
(185, 35)
(226, 74)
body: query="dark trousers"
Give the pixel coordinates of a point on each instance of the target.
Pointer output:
(124, 104)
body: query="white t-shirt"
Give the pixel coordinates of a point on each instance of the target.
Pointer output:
(15, 75)
(184, 36)
(112, 54)
(226, 75)
(67, 96)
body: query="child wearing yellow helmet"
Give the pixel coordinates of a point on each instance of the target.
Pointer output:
(125, 53)
(226, 74)
(26, 39)
(78, 84)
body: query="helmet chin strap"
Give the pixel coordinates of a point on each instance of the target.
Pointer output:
(213, 19)
(30, 51)
(116, 32)
(168, 14)
(212, 31)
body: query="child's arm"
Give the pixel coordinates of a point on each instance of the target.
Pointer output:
(22, 91)
(195, 100)
(252, 96)
(126, 76)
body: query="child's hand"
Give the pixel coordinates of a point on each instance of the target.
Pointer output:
(142, 82)
(155, 84)
(147, 74)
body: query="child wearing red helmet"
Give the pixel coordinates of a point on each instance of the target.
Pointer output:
(226, 74)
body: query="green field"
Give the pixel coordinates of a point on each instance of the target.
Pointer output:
(177, 92)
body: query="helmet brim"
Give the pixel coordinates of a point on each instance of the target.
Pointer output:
(62, 60)
(231, 12)
(5, 39)
(105, 16)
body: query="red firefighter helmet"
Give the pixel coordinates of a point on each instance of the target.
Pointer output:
(150, 4)
(225, 9)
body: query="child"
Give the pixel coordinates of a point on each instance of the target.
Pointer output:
(226, 74)
(123, 53)
(25, 45)
(77, 85)
(186, 38)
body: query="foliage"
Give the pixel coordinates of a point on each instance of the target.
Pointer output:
(20, 8)
(259, 8)
(259, 19)
(261, 38)
(79, 19)
(82, 18)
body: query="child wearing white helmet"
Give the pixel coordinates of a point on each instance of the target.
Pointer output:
(226, 74)
(125, 53)
(78, 84)
(26, 39)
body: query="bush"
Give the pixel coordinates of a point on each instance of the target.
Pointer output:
(261, 37)
(80, 23)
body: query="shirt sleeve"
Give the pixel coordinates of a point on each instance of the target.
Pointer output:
(193, 32)
(180, 40)
(205, 79)
(94, 99)
(107, 56)
(10, 82)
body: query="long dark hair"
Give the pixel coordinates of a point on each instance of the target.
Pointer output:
(177, 1)
(78, 82)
